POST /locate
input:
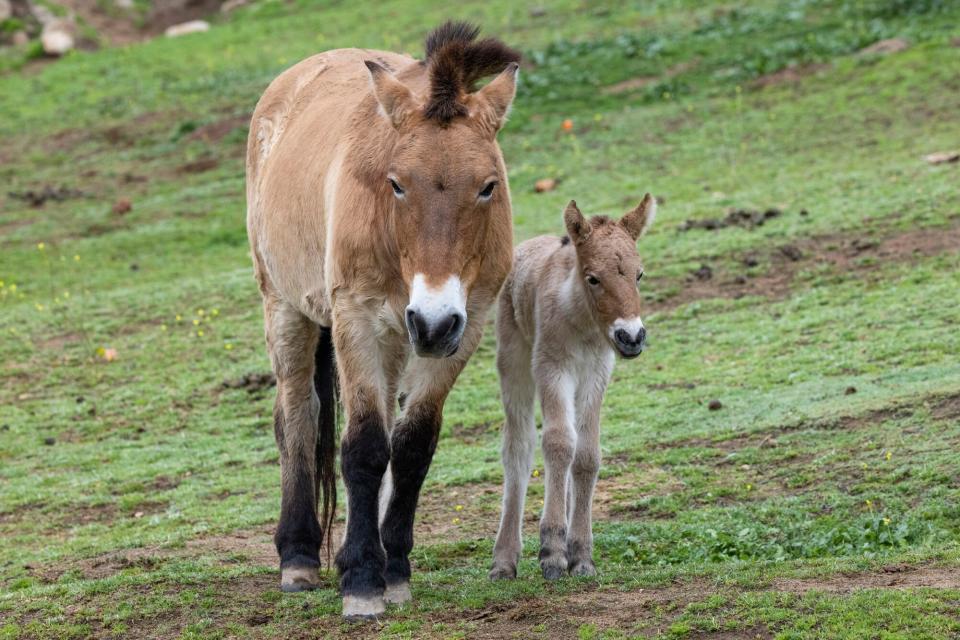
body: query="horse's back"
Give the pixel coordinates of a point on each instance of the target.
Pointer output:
(538, 270)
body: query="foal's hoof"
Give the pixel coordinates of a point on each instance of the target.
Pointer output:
(552, 572)
(361, 608)
(584, 568)
(293, 579)
(398, 593)
(503, 572)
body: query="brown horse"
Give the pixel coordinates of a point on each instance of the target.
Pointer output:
(379, 218)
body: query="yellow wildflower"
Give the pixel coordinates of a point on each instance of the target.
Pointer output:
(195, 322)
(76, 257)
(459, 507)
(536, 473)
(200, 333)
(163, 327)
(886, 521)
(200, 312)
(41, 246)
(456, 521)
(889, 455)
(179, 317)
(228, 346)
(215, 312)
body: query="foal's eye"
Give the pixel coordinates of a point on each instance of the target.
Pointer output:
(397, 191)
(487, 191)
(639, 276)
(592, 280)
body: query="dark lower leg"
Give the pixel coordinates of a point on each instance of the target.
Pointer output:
(364, 455)
(413, 443)
(298, 536)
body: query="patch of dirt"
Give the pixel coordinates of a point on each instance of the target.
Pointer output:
(941, 407)
(216, 131)
(471, 434)
(895, 577)
(632, 84)
(788, 75)
(746, 218)
(884, 47)
(199, 166)
(841, 253)
(57, 343)
(251, 382)
(120, 27)
(48, 193)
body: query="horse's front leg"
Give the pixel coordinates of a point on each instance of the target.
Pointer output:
(557, 389)
(364, 362)
(414, 440)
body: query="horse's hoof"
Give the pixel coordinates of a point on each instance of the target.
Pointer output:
(361, 608)
(398, 593)
(585, 568)
(293, 579)
(503, 572)
(552, 572)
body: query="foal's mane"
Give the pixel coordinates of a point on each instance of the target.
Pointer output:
(457, 60)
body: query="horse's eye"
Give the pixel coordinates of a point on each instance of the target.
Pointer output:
(488, 190)
(396, 188)
(592, 280)
(639, 276)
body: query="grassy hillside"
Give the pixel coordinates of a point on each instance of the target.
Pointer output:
(138, 474)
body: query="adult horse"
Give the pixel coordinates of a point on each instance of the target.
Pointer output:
(379, 218)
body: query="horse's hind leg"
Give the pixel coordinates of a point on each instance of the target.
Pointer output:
(292, 341)
(518, 392)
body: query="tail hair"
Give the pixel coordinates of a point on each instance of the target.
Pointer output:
(325, 382)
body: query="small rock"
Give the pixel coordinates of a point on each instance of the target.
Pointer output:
(849, 391)
(715, 405)
(184, 28)
(942, 157)
(791, 252)
(57, 37)
(883, 47)
(538, 12)
(703, 273)
(740, 280)
(545, 184)
(751, 261)
(138, 514)
(123, 4)
(122, 207)
(49, 441)
(232, 5)
(19, 38)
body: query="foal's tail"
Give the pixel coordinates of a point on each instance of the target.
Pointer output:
(325, 382)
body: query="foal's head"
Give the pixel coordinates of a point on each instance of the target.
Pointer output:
(610, 269)
(446, 177)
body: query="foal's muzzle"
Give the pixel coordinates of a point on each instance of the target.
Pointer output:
(435, 337)
(630, 346)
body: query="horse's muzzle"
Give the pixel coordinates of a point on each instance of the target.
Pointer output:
(435, 337)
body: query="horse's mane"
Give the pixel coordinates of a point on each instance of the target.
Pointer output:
(457, 60)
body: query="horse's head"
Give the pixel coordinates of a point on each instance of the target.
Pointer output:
(446, 178)
(610, 268)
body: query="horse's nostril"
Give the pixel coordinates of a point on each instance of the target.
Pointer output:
(641, 336)
(623, 337)
(456, 322)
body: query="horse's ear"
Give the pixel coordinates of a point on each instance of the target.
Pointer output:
(578, 228)
(396, 100)
(496, 98)
(639, 220)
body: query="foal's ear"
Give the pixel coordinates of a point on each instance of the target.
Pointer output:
(395, 99)
(639, 220)
(495, 98)
(578, 228)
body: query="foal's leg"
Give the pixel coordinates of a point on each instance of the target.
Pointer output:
(517, 390)
(364, 454)
(557, 391)
(292, 341)
(586, 466)
(413, 442)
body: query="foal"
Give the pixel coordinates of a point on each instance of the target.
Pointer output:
(568, 305)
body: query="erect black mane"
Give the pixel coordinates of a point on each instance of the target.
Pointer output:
(457, 60)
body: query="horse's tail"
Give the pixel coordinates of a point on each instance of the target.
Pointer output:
(325, 382)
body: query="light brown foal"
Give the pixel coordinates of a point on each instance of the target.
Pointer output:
(566, 309)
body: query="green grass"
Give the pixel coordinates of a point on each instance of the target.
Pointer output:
(137, 495)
